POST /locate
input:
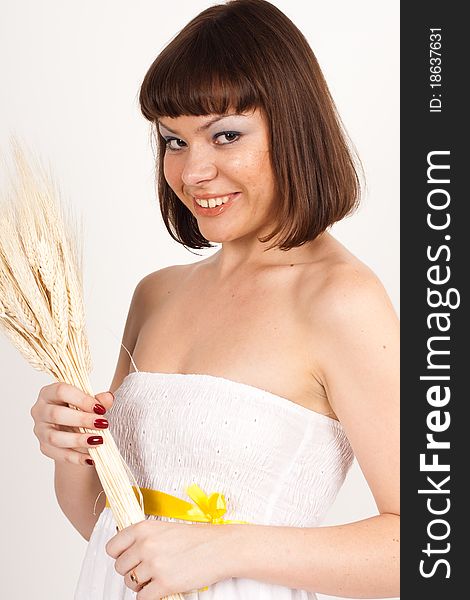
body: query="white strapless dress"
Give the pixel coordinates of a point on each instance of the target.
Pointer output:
(276, 462)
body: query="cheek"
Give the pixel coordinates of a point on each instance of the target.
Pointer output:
(171, 173)
(259, 173)
(251, 166)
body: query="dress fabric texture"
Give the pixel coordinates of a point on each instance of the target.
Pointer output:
(276, 462)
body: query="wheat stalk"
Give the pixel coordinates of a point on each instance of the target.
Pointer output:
(41, 307)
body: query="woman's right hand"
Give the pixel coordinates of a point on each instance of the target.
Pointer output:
(55, 423)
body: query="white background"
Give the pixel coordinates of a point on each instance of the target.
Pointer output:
(70, 75)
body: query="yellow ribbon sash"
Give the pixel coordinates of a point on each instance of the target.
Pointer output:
(206, 509)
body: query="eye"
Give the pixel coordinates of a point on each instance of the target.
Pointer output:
(229, 133)
(168, 144)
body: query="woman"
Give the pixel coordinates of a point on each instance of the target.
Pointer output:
(257, 372)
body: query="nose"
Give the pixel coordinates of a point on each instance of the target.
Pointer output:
(198, 166)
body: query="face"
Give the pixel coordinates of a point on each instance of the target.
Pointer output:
(219, 167)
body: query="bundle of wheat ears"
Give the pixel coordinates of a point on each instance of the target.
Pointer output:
(41, 306)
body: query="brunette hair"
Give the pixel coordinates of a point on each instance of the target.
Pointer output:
(243, 55)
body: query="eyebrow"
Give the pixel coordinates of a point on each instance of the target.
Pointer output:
(205, 126)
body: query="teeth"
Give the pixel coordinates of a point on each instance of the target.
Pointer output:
(212, 202)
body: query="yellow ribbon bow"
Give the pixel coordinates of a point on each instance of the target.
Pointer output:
(208, 508)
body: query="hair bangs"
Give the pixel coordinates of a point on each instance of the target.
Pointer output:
(199, 75)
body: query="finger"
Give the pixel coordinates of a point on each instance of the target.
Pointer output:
(63, 439)
(130, 583)
(120, 542)
(142, 577)
(83, 451)
(68, 428)
(64, 416)
(127, 561)
(106, 399)
(65, 393)
(150, 590)
(66, 455)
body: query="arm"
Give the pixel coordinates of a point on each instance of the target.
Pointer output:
(357, 357)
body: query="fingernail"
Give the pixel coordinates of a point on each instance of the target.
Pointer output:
(99, 409)
(89, 462)
(95, 440)
(101, 423)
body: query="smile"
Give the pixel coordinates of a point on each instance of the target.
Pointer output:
(214, 206)
(212, 202)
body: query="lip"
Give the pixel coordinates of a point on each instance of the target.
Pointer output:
(216, 210)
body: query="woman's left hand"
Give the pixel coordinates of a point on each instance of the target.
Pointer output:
(171, 557)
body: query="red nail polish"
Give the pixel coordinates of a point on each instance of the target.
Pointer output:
(101, 423)
(89, 462)
(99, 409)
(95, 440)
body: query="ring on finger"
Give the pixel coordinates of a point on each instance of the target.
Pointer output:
(133, 577)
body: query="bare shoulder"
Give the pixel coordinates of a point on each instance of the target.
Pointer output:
(349, 317)
(347, 289)
(154, 285)
(147, 294)
(151, 282)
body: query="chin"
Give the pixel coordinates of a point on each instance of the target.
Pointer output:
(218, 237)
